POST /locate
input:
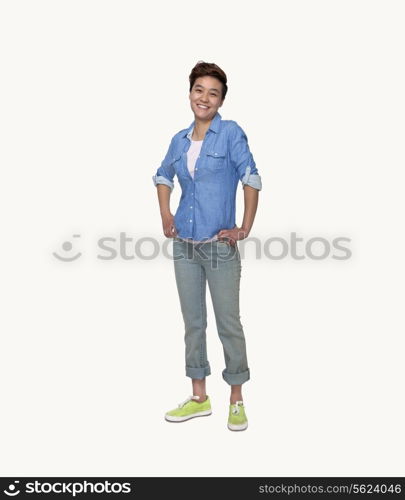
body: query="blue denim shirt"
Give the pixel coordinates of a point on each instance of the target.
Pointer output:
(208, 202)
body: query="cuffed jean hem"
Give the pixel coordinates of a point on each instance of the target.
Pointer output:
(236, 378)
(198, 372)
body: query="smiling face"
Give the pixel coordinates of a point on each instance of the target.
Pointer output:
(206, 97)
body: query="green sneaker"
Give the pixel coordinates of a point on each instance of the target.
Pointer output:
(189, 409)
(237, 420)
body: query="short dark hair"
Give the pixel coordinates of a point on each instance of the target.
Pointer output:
(203, 68)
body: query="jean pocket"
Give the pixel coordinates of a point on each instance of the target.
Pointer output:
(179, 249)
(225, 250)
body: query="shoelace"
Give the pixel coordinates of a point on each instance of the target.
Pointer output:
(187, 400)
(235, 407)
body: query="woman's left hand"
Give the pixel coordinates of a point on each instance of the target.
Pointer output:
(232, 235)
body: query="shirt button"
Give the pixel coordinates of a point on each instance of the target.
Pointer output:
(196, 168)
(191, 220)
(191, 206)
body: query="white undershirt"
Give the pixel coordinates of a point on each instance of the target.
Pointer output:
(192, 155)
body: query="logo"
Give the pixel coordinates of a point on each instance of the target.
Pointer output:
(66, 487)
(12, 488)
(67, 248)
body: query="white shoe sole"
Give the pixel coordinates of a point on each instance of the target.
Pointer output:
(241, 427)
(171, 418)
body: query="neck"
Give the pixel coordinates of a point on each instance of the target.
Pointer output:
(200, 129)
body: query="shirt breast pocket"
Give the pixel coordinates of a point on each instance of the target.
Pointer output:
(216, 160)
(175, 163)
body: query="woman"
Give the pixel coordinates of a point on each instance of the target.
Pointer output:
(209, 157)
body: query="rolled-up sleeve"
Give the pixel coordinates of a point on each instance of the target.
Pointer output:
(242, 159)
(165, 173)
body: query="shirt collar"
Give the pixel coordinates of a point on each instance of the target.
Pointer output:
(214, 126)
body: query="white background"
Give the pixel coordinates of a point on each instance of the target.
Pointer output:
(92, 350)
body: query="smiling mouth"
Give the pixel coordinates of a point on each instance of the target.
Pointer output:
(202, 107)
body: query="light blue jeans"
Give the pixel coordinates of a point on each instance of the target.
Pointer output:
(219, 263)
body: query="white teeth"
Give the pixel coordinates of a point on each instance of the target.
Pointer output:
(203, 107)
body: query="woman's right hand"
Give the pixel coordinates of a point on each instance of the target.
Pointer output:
(169, 229)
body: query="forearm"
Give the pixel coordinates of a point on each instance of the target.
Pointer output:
(164, 199)
(251, 196)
